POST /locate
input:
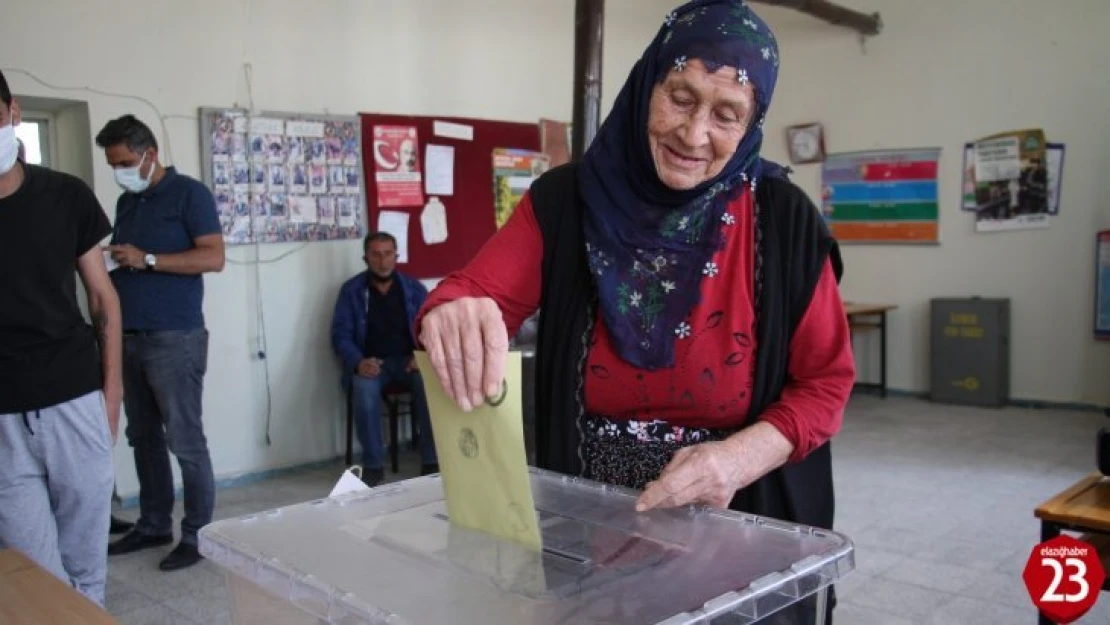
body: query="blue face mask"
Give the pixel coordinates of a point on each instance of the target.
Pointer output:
(9, 148)
(131, 180)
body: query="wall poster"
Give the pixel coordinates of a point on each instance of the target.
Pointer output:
(882, 196)
(283, 177)
(1102, 286)
(1025, 194)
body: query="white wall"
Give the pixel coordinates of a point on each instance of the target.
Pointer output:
(942, 73)
(515, 63)
(75, 146)
(424, 57)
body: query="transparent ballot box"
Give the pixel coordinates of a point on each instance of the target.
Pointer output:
(390, 555)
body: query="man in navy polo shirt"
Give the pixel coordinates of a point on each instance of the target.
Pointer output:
(167, 234)
(372, 333)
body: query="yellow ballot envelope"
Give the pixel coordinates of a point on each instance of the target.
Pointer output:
(482, 459)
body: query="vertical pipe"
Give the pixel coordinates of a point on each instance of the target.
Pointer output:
(589, 17)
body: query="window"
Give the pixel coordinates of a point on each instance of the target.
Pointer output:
(34, 133)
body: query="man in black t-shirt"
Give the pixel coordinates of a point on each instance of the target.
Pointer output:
(60, 378)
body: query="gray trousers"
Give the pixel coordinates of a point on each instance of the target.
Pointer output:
(56, 483)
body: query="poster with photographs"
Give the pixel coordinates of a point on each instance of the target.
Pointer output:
(1030, 187)
(1011, 181)
(284, 177)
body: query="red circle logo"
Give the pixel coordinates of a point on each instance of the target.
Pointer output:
(1064, 577)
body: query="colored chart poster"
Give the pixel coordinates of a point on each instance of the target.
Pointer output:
(397, 166)
(882, 196)
(513, 173)
(1102, 287)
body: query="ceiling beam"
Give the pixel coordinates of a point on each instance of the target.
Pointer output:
(835, 14)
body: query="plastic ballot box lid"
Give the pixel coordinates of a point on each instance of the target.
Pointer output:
(391, 555)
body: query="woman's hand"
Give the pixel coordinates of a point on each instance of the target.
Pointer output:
(707, 473)
(467, 343)
(711, 473)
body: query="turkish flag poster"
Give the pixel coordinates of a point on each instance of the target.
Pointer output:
(396, 153)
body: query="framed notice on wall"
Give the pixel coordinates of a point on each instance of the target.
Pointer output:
(1102, 286)
(881, 196)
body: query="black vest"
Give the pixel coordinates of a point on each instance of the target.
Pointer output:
(796, 244)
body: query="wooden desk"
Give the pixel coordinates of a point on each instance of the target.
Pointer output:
(1083, 507)
(29, 595)
(871, 317)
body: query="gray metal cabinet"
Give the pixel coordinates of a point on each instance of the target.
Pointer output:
(970, 351)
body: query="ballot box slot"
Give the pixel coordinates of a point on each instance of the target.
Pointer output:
(576, 555)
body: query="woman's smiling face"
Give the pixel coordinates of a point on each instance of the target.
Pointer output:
(696, 120)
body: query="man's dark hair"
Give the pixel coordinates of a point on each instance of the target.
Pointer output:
(378, 236)
(5, 92)
(129, 131)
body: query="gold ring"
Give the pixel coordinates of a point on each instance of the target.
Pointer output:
(500, 398)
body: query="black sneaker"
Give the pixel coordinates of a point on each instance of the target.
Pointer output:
(134, 541)
(119, 526)
(184, 555)
(373, 477)
(429, 469)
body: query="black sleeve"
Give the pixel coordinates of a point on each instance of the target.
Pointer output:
(92, 224)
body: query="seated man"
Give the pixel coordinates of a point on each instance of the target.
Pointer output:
(372, 333)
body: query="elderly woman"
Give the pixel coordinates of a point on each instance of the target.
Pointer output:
(692, 341)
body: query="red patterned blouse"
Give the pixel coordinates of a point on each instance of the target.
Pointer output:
(710, 384)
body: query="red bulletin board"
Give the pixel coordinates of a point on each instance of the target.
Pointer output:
(470, 213)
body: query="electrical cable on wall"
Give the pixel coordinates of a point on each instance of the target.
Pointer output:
(260, 306)
(108, 94)
(262, 344)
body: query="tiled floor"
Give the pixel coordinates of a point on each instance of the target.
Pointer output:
(938, 500)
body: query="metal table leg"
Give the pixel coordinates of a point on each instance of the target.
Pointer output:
(822, 607)
(349, 456)
(882, 354)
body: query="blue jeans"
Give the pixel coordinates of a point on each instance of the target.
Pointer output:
(163, 380)
(367, 404)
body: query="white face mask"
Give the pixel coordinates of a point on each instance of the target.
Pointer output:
(131, 180)
(9, 148)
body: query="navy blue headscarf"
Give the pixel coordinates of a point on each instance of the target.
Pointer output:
(648, 244)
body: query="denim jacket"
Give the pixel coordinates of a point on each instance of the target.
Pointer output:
(348, 326)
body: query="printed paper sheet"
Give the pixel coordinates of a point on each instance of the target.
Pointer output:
(397, 224)
(439, 166)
